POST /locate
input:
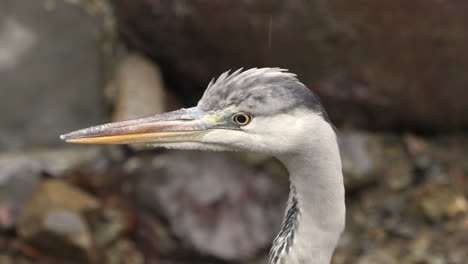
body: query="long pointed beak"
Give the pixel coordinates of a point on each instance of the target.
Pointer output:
(185, 125)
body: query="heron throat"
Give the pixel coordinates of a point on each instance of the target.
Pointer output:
(315, 214)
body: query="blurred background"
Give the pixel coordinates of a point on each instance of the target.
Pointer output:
(391, 73)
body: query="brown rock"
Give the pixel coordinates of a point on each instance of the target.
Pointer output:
(52, 221)
(139, 88)
(438, 200)
(376, 64)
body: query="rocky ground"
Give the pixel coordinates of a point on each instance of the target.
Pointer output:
(406, 191)
(406, 199)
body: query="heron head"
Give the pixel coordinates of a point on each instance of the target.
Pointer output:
(265, 110)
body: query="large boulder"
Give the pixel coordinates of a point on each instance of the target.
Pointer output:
(374, 63)
(50, 65)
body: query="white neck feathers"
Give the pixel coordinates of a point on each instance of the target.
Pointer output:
(316, 203)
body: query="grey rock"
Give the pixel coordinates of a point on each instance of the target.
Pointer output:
(18, 180)
(374, 157)
(363, 157)
(213, 202)
(359, 164)
(54, 162)
(64, 222)
(50, 68)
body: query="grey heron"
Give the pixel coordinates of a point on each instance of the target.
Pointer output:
(265, 110)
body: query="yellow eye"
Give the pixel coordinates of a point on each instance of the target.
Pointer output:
(242, 119)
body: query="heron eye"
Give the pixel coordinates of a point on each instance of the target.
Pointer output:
(242, 119)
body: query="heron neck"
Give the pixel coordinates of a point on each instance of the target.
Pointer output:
(316, 206)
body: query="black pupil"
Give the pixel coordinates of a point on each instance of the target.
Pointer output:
(241, 119)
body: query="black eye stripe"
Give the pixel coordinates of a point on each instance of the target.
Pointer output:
(242, 119)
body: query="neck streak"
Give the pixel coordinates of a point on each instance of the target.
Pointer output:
(283, 241)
